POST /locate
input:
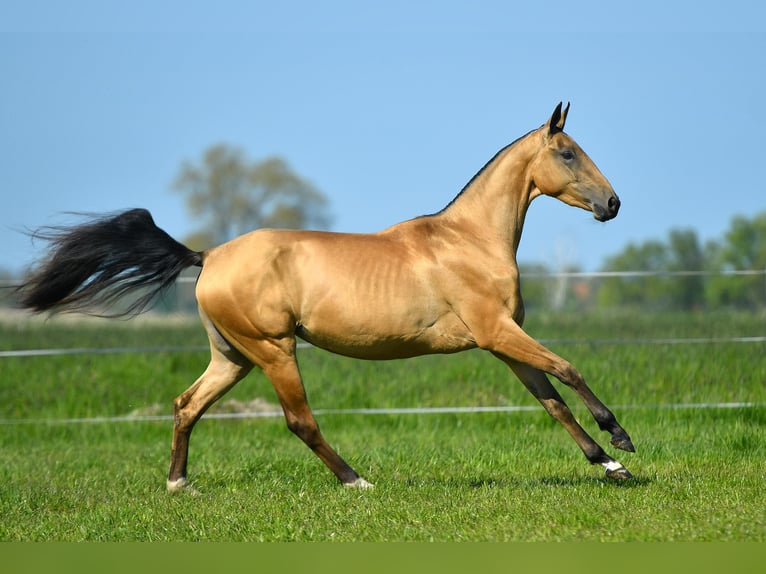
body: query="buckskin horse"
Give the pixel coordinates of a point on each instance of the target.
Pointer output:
(439, 283)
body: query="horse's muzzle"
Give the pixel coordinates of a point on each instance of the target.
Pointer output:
(602, 213)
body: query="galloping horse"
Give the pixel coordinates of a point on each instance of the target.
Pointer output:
(440, 283)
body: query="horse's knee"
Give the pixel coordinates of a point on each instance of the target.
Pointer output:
(570, 376)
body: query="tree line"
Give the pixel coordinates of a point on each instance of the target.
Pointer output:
(680, 273)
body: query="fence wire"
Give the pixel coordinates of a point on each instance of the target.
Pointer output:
(50, 352)
(552, 276)
(369, 412)
(203, 348)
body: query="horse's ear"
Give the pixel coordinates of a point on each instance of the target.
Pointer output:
(558, 119)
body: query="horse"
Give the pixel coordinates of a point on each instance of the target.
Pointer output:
(439, 283)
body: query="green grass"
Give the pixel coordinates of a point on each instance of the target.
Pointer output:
(699, 473)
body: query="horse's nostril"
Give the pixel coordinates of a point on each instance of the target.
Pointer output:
(614, 204)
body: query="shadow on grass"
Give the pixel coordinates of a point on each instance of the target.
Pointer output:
(548, 482)
(635, 482)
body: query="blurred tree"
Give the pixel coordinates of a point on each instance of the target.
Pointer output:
(685, 254)
(542, 288)
(235, 195)
(681, 252)
(534, 278)
(619, 291)
(743, 248)
(7, 294)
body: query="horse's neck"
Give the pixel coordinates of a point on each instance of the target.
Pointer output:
(497, 199)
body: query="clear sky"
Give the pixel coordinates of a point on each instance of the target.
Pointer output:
(389, 108)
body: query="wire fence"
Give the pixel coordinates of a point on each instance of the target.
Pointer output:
(629, 274)
(370, 412)
(541, 290)
(672, 289)
(554, 289)
(11, 283)
(205, 348)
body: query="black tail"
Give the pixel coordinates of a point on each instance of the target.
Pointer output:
(94, 264)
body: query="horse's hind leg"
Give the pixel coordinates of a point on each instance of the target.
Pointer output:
(276, 357)
(227, 367)
(282, 370)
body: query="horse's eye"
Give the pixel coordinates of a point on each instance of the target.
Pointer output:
(567, 155)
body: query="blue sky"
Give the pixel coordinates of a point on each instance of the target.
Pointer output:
(389, 108)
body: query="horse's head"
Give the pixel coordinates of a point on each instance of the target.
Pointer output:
(561, 169)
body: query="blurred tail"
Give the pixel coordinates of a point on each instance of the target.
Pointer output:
(92, 265)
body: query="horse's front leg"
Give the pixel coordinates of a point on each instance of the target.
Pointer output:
(508, 340)
(542, 389)
(531, 360)
(606, 420)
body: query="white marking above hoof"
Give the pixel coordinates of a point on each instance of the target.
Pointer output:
(180, 485)
(176, 485)
(359, 483)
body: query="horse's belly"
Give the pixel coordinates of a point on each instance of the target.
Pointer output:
(364, 340)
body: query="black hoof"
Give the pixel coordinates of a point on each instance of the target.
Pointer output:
(621, 473)
(622, 441)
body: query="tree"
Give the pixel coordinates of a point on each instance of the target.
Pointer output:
(542, 288)
(685, 254)
(234, 195)
(681, 252)
(534, 278)
(743, 249)
(648, 256)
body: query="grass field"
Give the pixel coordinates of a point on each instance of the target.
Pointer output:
(699, 472)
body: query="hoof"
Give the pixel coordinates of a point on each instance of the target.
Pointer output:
(622, 441)
(621, 473)
(358, 483)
